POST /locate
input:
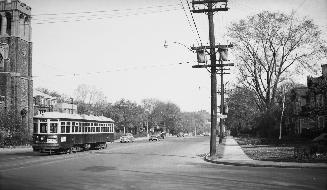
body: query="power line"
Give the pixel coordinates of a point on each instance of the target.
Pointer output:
(100, 18)
(100, 11)
(188, 20)
(196, 28)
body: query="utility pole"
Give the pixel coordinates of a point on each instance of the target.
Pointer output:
(209, 7)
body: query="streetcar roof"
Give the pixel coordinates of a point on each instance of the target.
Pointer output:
(58, 115)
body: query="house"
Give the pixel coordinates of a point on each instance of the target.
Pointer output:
(46, 103)
(306, 114)
(43, 102)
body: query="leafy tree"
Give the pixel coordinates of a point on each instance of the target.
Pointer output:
(242, 109)
(128, 115)
(192, 121)
(270, 47)
(167, 115)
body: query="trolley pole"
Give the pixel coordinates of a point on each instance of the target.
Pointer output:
(210, 9)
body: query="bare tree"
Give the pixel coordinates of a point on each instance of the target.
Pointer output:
(270, 47)
(90, 99)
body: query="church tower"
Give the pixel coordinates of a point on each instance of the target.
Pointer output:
(16, 85)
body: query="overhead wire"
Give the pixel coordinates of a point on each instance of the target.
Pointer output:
(104, 17)
(97, 15)
(107, 71)
(100, 11)
(188, 20)
(196, 28)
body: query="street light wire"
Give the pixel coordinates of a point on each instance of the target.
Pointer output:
(107, 71)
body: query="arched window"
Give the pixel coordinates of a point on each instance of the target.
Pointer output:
(26, 27)
(1, 24)
(21, 25)
(9, 19)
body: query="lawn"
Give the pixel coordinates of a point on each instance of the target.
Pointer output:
(280, 151)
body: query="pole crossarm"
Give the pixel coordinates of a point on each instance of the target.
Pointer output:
(209, 47)
(214, 65)
(208, 10)
(194, 2)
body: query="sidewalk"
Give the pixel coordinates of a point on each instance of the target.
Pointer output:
(234, 155)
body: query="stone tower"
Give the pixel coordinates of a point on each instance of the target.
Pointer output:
(16, 85)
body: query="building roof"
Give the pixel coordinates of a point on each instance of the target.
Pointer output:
(58, 115)
(38, 93)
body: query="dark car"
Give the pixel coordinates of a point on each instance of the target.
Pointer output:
(153, 138)
(320, 143)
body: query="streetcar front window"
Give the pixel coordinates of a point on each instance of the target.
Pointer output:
(53, 127)
(43, 127)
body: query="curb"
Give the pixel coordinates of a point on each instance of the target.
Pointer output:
(256, 163)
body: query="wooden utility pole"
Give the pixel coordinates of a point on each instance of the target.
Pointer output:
(210, 9)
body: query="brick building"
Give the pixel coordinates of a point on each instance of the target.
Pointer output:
(16, 85)
(307, 113)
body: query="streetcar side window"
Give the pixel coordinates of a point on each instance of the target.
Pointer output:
(34, 127)
(53, 127)
(68, 127)
(43, 127)
(62, 127)
(73, 127)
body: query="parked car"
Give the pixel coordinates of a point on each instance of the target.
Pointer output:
(153, 138)
(180, 134)
(128, 137)
(320, 143)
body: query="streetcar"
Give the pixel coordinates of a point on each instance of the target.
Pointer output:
(55, 132)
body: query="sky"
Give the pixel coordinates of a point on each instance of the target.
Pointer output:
(118, 45)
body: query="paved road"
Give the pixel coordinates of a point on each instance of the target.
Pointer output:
(174, 163)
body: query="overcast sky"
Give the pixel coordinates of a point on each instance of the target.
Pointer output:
(117, 45)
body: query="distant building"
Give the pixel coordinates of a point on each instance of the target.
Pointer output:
(65, 108)
(307, 113)
(43, 102)
(46, 103)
